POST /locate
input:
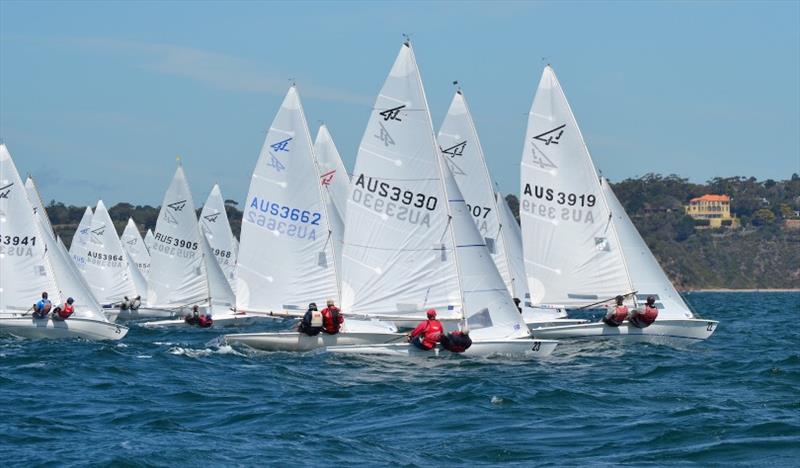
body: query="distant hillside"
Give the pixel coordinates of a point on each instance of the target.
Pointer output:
(762, 254)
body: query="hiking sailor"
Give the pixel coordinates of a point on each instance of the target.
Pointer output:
(64, 312)
(42, 308)
(332, 319)
(646, 317)
(428, 333)
(457, 341)
(614, 317)
(311, 324)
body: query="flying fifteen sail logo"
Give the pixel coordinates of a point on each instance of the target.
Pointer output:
(551, 136)
(456, 150)
(99, 231)
(384, 136)
(4, 191)
(281, 145)
(132, 242)
(327, 178)
(540, 159)
(392, 114)
(212, 218)
(178, 205)
(275, 163)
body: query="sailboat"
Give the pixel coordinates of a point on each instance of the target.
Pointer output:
(107, 269)
(71, 278)
(580, 247)
(217, 230)
(287, 252)
(184, 270)
(134, 244)
(32, 263)
(463, 152)
(408, 230)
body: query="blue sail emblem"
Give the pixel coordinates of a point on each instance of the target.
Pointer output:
(281, 145)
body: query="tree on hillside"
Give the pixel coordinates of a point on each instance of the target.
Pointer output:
(763, 217)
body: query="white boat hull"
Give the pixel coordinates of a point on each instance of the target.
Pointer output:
(296, 341)
(220, 320)
(534, 324)
(667, 332)
(146, 312)
(522, 347)
(29, 327)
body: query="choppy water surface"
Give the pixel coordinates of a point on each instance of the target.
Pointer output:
(179, 398)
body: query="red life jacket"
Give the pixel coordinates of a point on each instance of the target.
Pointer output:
(649, 315)
(204, 321)
(331, 320)
(432, 334)
(66, 311)
(620, 314)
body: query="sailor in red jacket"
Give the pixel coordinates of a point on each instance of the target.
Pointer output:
(646, 317)
(332, 319)
(63, 312)
(428, 333)
(614, 317)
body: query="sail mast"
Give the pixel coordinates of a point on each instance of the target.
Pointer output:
(449, 225)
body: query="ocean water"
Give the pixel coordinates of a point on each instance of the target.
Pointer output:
(179, 398)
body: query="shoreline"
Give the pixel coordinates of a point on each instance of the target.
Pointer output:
(724, 290)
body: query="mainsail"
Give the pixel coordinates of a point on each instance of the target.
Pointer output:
(286, 256)
(134, 244)
(398, 254)
(572, 255)
(217, 230)
(646, 275)
(462, 150)
(177, 277)
(107, 268)
(80, 240)
(332, 172)
(24, 270)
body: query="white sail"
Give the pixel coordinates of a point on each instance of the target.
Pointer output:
(148, 239)
(106, 269)
(70, 280)
(177, 277)
(216, 228)
(489, 309)
(572, 256)
(79, 247)
(462, 150)
(332, 172)
(38, 206)
(24, 270)
(219, 289)
(286, 256)
(512, 241)
(646, 275)
(134, 244)
(398, 254)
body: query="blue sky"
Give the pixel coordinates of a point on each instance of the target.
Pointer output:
(97, 99)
